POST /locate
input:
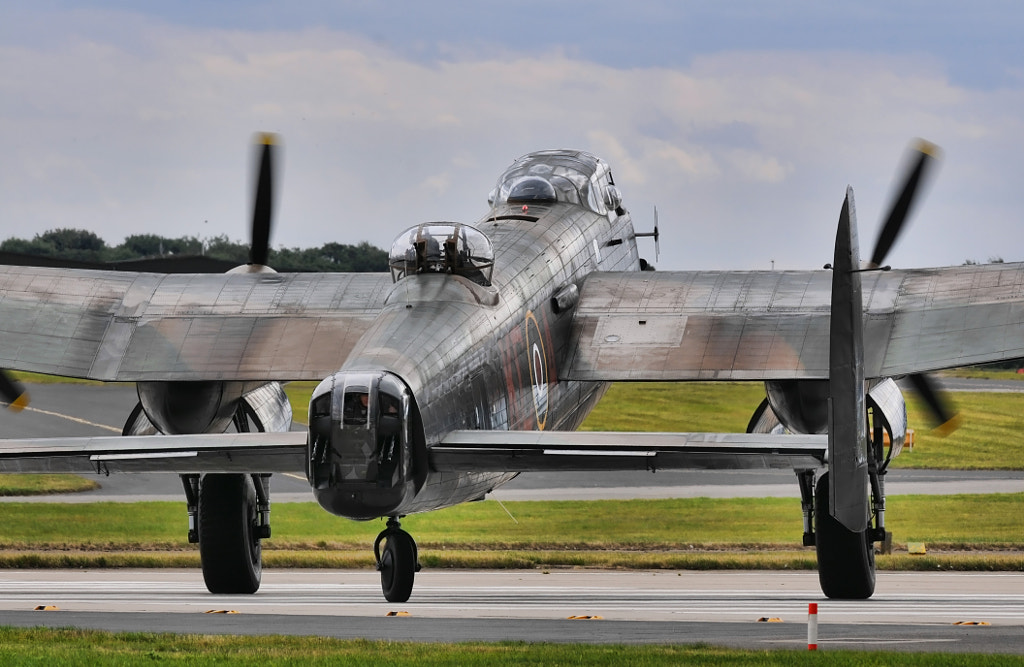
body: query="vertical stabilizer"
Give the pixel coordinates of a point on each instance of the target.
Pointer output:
(847, 430)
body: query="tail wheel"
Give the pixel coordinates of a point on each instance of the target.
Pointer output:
(846, 559)
(398, 565)
(229, 545)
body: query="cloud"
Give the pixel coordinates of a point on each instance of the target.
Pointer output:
(746, 154)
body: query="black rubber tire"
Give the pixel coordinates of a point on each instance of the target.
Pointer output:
(397, 566)
(846, 559)
(230, 551)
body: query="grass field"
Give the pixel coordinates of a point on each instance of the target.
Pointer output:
(83, 647)
(966, 532)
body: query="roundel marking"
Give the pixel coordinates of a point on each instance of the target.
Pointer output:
(538, 363)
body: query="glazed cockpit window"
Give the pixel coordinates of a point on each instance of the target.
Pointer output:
(442, 247)
(548, 177)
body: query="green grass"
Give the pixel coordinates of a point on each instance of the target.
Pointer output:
(966, 532)
(983, 374)
(38, 485)
(89, 647)
(961, 521)
(299, 394)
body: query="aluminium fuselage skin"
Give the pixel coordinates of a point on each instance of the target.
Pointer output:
(474, 356)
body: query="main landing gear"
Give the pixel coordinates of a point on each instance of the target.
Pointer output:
(398, 562)
(229, 515)
(846, 559)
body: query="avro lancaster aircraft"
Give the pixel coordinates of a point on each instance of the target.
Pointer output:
(483, 350)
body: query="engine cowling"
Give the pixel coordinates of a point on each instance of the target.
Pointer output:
(207, 407)
(801, 406)
(360, 458)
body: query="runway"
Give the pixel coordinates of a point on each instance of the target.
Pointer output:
(914, 611)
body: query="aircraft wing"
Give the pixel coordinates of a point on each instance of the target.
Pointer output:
(764, 325)
(217, 452)
(523, 451)
(145, 326)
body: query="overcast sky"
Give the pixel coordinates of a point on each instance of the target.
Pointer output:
(743, 122)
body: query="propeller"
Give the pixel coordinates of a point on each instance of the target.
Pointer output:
(263, 201)
(923, 155)
(12, 392)
(944, 418)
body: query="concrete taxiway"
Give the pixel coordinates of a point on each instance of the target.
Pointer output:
(917, 612)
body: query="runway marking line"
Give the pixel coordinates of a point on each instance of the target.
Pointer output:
(77, 420)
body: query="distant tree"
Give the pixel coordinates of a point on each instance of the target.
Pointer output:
(23, 247)
(991, 260)
(363, 257)
(152, 245)
(222, 247)
(87, 246)
(67, 243)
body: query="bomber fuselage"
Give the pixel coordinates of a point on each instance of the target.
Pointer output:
(454, 349)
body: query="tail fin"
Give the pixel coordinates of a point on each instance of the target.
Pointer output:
(847, 430)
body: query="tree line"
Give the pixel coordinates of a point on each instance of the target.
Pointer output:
(85, 246)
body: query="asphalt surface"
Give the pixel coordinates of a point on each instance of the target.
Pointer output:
(909, 612)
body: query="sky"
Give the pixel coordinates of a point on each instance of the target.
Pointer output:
(742, 122)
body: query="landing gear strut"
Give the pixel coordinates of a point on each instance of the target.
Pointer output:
(398, 562)
(229, 516)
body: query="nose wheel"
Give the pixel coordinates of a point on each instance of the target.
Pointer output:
(397, 560)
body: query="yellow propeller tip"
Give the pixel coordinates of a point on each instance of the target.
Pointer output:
(942, 430)
(928, 148)
(19, 404)
(266, 139)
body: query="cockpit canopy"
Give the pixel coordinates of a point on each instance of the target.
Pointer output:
(442, 247)
(546, 177)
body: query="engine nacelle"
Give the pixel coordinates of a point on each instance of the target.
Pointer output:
(360, 458)
(207, 407)
(801, 406)
(190, 407)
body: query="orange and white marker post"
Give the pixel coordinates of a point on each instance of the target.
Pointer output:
(812, 626)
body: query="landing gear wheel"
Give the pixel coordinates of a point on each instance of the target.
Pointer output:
(846, 560)
(229, 545)
(398, 562)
